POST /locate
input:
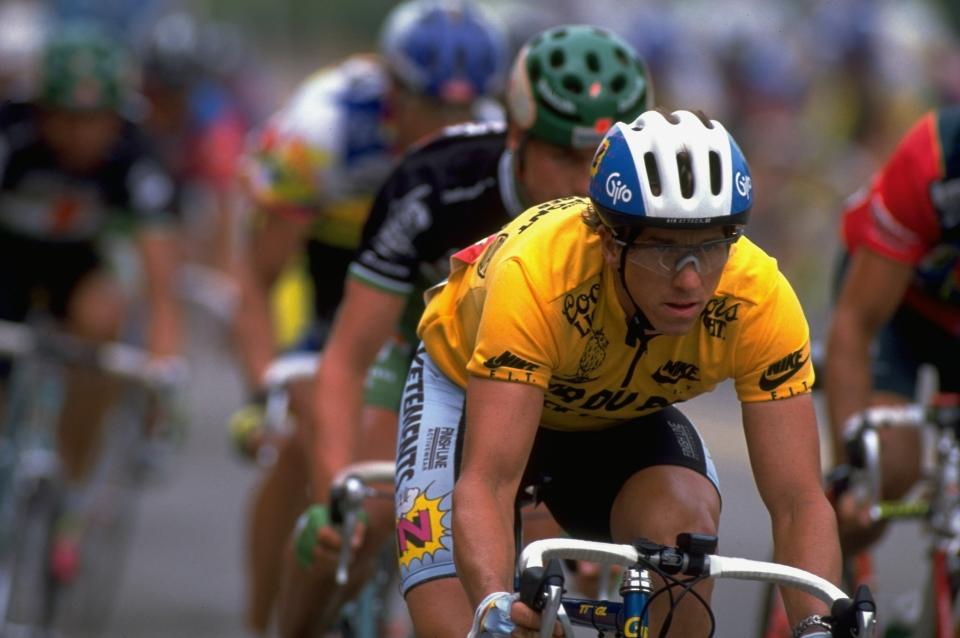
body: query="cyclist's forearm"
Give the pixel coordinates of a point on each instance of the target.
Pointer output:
(165, 329)
(482, 538)
(848, 373)
(338, 400)
(160, 260)
(805, 536)
(253, 327)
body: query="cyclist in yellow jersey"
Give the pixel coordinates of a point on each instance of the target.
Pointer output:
(460, 185)
(565, 339)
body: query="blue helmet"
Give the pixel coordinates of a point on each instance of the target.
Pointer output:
(447, 51)
(635, 178)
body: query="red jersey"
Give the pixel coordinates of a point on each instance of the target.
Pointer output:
(911, 214)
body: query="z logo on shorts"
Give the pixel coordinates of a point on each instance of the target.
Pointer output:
(420, 530)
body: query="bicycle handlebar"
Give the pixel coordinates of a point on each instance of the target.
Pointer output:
(122, 360)
(291, 367)
(858, 613)
(349, 488)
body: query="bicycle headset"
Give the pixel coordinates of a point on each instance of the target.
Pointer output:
(83, 69)
(450, 52)
(569, 84)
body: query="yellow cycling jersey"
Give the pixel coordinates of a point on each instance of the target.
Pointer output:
(536, 303)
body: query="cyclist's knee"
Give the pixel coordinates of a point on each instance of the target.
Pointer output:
(661, 501)
(96, 309)
(452, 620)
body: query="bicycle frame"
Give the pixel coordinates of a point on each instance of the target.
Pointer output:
(31, 484)
(938, 422)
(348, 491)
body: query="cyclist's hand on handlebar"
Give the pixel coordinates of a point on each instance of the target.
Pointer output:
(247, 429)
(502, 615)
(857, 530)
(317, 542)
(527, 621)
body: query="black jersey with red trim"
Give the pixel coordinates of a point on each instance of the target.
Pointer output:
(42, 200)
(445, 194)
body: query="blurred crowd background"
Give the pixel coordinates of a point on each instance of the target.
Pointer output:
(816, 91)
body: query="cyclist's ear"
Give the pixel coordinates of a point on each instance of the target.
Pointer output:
(611, 249)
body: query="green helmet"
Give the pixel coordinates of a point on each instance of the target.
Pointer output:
(84, 70)
(570, 84)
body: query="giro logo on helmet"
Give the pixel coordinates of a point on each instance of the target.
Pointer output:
(617, 189)
(744, 184)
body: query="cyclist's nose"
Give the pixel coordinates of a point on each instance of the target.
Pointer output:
(687, 273)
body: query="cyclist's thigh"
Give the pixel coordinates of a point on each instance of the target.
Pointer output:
(427, 440)
(95, 307)
(599, 463)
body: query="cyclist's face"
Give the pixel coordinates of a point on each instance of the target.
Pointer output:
(549, 171)
(671, 274)
(81, 140)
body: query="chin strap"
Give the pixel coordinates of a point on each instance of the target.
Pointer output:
(639, 329)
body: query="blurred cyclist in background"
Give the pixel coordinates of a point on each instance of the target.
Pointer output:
(199, 128)
(567, 87)
(72, 169)
(312, 176)
(899, 298)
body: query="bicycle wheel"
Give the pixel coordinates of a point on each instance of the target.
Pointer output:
(369, 614)
(33, 593)
(107, 517)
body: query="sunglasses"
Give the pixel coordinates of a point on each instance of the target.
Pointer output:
(668, 259)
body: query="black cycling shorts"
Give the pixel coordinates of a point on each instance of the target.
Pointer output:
(41, 274)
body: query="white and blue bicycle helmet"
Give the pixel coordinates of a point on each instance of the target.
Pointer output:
(635, 178)
(449, 51)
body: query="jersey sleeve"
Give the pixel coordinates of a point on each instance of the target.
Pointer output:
(389, 256)
(515, 341)
(897, 218)
(772, 356)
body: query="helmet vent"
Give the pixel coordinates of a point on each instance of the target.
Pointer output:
(557, 58)
(653, 173)
(558, 34)
(619, 83)
(621, 56)
(573, 84)
(685, 173)
(535, 70)
(716, 173)
(593, 62)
